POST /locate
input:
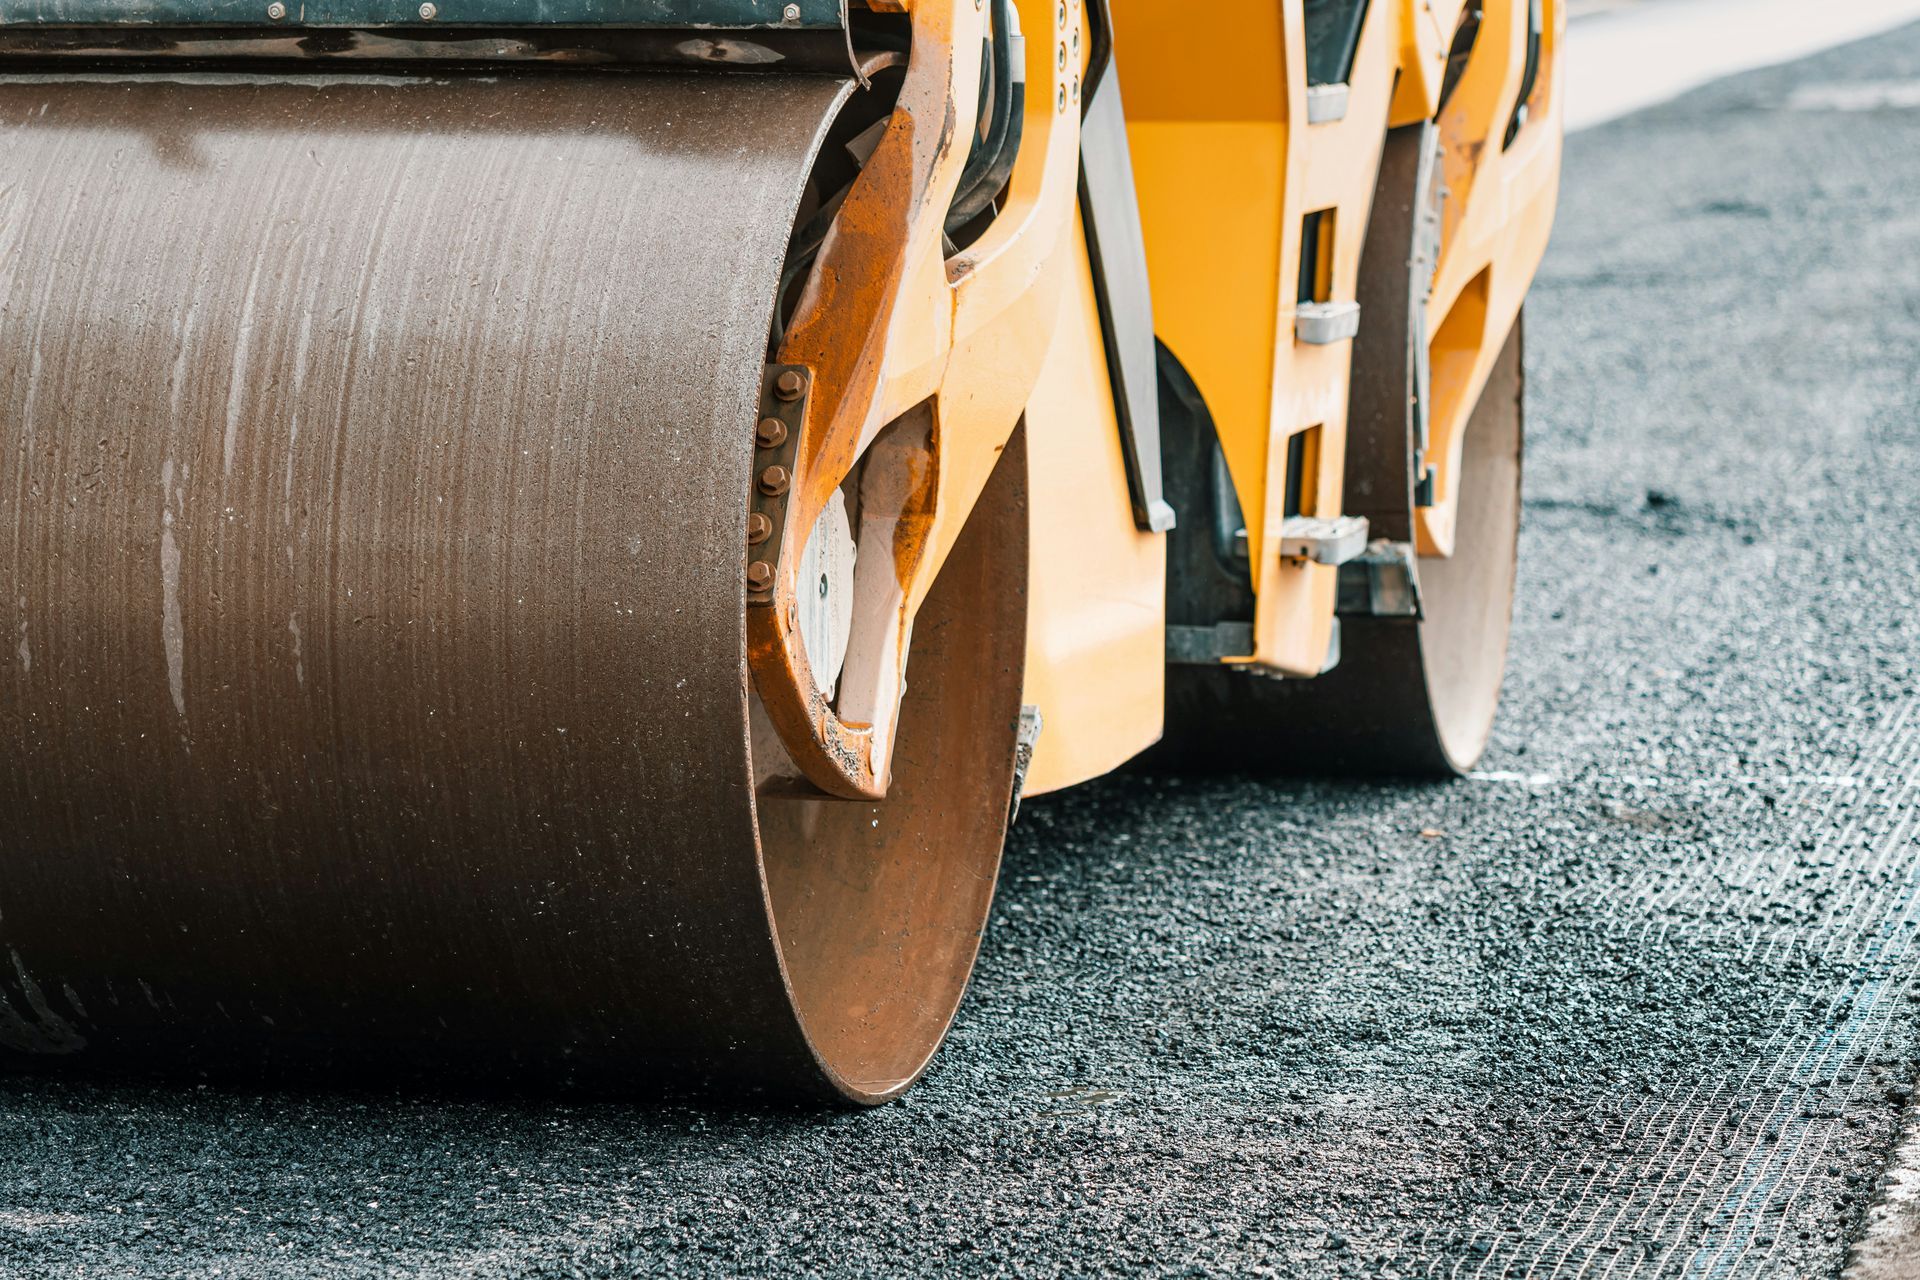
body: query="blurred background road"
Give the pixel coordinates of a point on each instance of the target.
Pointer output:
(1638, 999)
(1628, 54)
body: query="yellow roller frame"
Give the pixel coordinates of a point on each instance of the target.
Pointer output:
(890, 326)
(1495, 222)
(1228, 167)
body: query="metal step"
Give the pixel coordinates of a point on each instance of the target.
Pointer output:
(1326, 103)
(1328, 540)
(1321, 324)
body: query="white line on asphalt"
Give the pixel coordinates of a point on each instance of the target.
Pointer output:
(1859, 95)
(1631, 56)
(1506, 775)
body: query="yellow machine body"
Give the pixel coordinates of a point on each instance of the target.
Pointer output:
(1227, 166)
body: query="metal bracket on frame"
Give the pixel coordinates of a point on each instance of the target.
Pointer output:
(1382, 582)
(1323, 540)
(1209, 646)
(1321, 324)
(1032, 724)
(1327, 103)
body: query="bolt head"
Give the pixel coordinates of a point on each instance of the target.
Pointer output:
(789, 385)
(759, 576)
(759, 529)
(771, 433)
(276, 10)
(774, 481)
(791, 13)
(429, 11)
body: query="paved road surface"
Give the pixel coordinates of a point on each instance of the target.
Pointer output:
(1645, 1003)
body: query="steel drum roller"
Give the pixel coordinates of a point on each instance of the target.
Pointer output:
(372, 527)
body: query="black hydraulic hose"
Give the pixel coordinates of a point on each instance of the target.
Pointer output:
(991, 161)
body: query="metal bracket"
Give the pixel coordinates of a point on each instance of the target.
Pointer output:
(776, 437)
(1423, 487)
(1323, 541)
(1224, 642)
(1207, 646)
(1032, 724)
(1324, 323)
(1382, 582)
(1327, 103)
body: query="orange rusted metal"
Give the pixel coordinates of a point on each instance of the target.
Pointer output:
(890, 325)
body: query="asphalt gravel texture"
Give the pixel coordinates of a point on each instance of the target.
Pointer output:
(1638, 1000)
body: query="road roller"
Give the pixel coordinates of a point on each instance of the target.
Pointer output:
(553, 536)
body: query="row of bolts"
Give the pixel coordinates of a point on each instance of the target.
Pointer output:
(775, 480)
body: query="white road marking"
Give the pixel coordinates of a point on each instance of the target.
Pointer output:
(1535, 780)
(1863, 95)
(1629, 56)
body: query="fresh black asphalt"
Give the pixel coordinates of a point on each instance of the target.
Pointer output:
(1640, 1000)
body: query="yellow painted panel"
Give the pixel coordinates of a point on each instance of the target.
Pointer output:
(1096, 617)
(1211, 202)
(1220, 61)
(1224, 184)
